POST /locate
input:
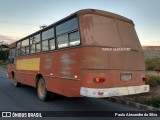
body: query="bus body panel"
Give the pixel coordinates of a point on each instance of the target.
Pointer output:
(61, 71)
(102, 38)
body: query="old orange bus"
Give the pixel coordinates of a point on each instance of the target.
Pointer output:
(90, 53)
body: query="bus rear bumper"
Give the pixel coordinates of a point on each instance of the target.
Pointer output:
(110, 92)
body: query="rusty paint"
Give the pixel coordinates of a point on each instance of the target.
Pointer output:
(66, 71)
(48, 63)
(66, 63)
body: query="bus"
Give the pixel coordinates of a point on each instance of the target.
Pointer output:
(90, 53)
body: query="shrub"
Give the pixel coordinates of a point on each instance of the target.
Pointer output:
(152, 64)
(153, 80)
(155, 101)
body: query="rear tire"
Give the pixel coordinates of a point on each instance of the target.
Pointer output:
(42, 92)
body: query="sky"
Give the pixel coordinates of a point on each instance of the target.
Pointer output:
(19, 18)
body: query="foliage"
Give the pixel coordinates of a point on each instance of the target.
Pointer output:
(4, 52)
(153, 80)
(155, 101)
(3, 64)
(152, 64)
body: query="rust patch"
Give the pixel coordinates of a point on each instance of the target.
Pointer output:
(48, 63)
(66, 62)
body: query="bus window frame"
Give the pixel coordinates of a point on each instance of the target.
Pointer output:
(31, 43)
(12, 55)
(48, 39)
(55, 38)
(69, 32)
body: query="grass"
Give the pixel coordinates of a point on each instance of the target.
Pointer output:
(154, 101)
(152, 64)
(153, 80)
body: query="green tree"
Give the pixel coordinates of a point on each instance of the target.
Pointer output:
(4, 52)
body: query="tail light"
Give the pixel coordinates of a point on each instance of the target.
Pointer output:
(144, 79)
(97, 79)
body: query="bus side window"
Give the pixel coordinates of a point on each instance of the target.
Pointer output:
(67, 26)
(52, 44)
(25, 44)
(27, 50)
(18, 51)
(67, 33)
(35, 45)
(62, 41)
(38, 47)
(48, 40)
(33, 48)
(74, 38)
(45, 45)
(23, 51)
(12, 54)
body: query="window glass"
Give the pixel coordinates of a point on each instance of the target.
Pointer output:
(48, 34)
(12, 53)
(33, 48)
(38, 47)
(23, 51)
(67, 26)
(74, 39)
(45, 46)
(35, 39)
(18, 52)
(18, 45)
(27, 50)
(11, 57)
(52, 44)
(25, 42)
(62, 41)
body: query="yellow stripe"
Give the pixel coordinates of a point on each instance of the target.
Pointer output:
(28, 64)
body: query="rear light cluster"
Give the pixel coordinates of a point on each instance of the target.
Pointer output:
(144, 79)
(97, 79)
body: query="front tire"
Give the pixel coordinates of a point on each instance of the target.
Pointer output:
(15, 82)
(42, 92)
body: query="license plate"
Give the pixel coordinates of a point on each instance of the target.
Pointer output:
(126, 76)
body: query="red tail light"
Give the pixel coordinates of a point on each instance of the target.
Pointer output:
(144, 79)
(97, 79)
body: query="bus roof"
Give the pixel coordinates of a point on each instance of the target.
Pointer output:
(104, 13)
(83, 12)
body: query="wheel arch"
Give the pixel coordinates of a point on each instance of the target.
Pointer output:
(38, 76)
(12, 74)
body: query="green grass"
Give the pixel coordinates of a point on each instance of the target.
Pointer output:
(152, 64)
(154, 101)
(153, 80)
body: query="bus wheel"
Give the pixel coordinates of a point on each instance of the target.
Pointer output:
(42, 92)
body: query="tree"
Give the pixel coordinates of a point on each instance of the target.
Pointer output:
(4, 52)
